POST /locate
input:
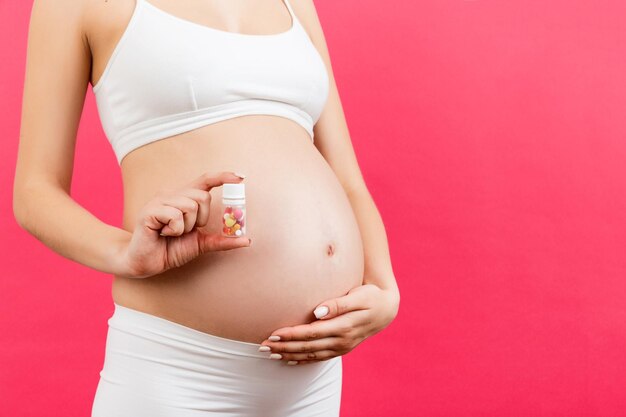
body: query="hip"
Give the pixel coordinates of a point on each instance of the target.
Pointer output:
(156, 367)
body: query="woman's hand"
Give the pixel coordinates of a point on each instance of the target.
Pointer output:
(364, 311)
(168, 231)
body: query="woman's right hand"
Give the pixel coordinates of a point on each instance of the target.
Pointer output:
(169, 233)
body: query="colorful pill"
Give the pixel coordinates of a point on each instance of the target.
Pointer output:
(229, 222)
(238, 232)
(226, 216)
(238, 213)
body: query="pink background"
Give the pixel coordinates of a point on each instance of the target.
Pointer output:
(492, 135)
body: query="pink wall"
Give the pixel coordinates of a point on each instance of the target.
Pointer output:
(492, 135)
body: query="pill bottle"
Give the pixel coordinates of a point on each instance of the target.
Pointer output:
(234, 217)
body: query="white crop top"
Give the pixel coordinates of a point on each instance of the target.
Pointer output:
(169, 75)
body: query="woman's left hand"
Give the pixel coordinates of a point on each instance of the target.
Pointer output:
(364, 311)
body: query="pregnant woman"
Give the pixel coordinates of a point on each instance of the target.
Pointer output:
(193, 95)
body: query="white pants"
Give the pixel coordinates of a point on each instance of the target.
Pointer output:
(154, 367)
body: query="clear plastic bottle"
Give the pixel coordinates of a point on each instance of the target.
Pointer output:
(234, 217)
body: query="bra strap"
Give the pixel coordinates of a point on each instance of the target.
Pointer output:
(293, 16)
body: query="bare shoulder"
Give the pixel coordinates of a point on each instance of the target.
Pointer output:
(61, 7)
(332, 136)
(307, 14)
(57, 69)
(60, 15)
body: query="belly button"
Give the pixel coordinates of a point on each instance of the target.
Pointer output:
(330, 251)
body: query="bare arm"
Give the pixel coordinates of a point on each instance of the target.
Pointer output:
(58, 65)
(332, 139)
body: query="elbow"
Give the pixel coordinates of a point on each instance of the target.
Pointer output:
(19, 207)
(18, 213)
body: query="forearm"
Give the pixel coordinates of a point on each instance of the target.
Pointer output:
(378, 269)
(59, 222)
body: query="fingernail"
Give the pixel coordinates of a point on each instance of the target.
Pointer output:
(249, 241)
(276, 356)
(265, 349)
(273, 338)
(239, 175)
(292, 362)
(320, 312)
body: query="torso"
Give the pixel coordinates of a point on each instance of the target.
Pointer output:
(306, 242)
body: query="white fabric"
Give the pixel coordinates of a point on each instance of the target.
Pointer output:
(154, 367)
(168, 75)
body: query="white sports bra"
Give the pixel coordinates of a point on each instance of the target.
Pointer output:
(169, 75)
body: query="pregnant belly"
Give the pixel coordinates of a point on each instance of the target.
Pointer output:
(306, 243)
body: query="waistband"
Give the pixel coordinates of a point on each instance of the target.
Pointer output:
(165, 331)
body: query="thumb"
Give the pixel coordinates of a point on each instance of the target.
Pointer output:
(214, 241)
(333, 307)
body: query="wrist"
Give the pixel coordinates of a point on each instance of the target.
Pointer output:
(118, 254)
(388, 285)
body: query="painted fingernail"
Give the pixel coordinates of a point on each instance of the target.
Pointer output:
(265, 349)
(276, 356)
(273, 338)
(292, 362)
(321, 312)
(239, 175)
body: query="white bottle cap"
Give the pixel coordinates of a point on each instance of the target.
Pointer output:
(234, 191)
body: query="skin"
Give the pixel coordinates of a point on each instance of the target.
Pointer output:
(69, 45)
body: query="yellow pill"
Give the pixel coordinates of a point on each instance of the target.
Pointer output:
(236, 227)
(230, 222)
